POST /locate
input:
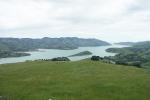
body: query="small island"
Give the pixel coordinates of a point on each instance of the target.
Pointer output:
(84, 53)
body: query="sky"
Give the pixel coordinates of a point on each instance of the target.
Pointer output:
(109, 20)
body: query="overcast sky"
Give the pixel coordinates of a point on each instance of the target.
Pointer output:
(110, 20)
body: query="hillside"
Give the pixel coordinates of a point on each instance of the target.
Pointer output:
(81, 80)
(138, 54)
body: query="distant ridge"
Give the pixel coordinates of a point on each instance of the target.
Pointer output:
(25, 44)
(125, 43)
(134, 43)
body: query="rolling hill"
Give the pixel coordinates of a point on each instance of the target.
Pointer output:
(80, 80)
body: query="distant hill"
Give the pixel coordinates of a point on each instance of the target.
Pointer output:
(138, 54)
(125, 43)
(133, 43)
(26, 44)
(143, 43)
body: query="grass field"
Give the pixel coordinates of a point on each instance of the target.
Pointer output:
(81, 80)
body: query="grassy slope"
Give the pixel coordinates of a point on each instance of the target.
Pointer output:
(82, 80)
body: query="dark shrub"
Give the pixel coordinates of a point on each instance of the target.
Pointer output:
(60, 59)
(121, 63)
(135, 63)
(95, 58)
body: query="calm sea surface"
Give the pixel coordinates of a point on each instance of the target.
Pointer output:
(51, 53)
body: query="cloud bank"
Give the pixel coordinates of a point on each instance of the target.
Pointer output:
(111, 20)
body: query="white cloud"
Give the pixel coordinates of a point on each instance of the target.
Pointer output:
(104, 19)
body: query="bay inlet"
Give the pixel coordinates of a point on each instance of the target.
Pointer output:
(52, 53)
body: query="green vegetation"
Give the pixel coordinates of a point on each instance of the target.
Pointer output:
(137, 55)
(84, 53)
(55, 59)
(81, 80)
(60, 59)
(96, 58)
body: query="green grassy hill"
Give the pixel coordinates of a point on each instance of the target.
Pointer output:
(81, 80)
